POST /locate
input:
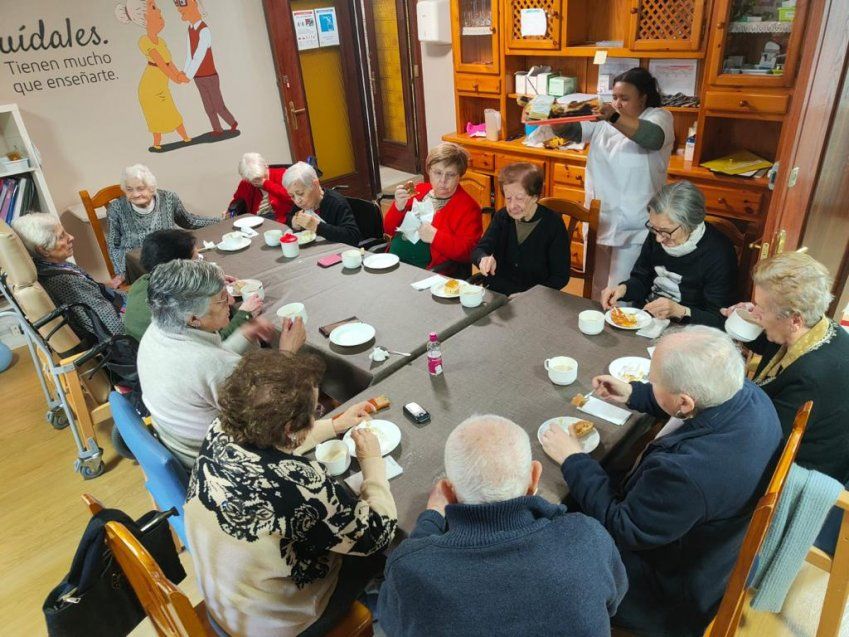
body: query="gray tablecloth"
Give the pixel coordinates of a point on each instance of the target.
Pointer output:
(496, 366)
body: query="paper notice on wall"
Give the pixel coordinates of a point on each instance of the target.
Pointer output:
(609, 70)
(305, 29)
(328, 29)
(533, 22)
(675, 76)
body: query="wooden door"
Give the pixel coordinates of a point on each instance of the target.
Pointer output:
(512, 26)
(666, 25)
(322, 92)
(474, 30)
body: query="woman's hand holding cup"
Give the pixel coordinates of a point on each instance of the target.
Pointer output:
(613, 389)
(293, 335)
(746, 306)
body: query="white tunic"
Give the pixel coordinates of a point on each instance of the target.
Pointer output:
(624, 176)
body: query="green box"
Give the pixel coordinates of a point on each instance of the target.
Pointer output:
(786, 14)
(560, 85)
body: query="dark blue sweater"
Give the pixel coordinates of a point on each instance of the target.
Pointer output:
(680, 517)
(520, 567)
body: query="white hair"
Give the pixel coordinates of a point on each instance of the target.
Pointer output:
(252, 166)
(299, 173)
(138, 172)
(488, 459)
(181, 289)
(796, 284)
(38, 230)
(701, 362)
(682, 202)
(132, 11)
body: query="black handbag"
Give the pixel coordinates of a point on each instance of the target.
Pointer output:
(95, 599)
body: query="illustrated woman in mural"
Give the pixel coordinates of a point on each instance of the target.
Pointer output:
(155, 99)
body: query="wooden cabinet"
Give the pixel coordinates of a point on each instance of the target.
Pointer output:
(732, 202)
(747, 102)
(481, 160)
(666, 25)
(464, 83)
(568, 174)
(474, 29)
(512, 26)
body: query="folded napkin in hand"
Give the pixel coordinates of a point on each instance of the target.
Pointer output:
(421, 212)
(325, 330)
(426, 284)
(654, 329)
(393, 469)
(605, 411)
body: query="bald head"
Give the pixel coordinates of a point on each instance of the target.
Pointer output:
(701, 362)
(488, 459)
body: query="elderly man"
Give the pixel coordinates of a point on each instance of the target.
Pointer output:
(680, 515)
(489, 556)
(325, 212)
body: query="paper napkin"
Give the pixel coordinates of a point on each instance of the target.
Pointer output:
(426, 284)
(605, 411)
(654, 329)
(393, 469)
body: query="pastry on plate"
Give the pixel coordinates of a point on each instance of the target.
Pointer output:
(582, 428)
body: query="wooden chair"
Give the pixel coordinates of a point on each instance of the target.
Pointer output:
(575, 214)
(168, 608)
(101, 199)
(731, 607)
(837, 566)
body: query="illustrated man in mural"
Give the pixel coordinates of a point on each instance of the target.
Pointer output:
(200, 66)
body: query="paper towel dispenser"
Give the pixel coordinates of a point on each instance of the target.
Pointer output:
(434, 20)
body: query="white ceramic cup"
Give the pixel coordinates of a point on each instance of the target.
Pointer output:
(591, 322)
(471, 295)
(352, 259)
(251, 288)
(741, 326)
(231, 238)
(292, 311)
(334, 455)
(272, 237)
(562, 370)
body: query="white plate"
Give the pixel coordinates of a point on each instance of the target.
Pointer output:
(589, 443)
(381, 261)
(251, 221)
(630, 368)
(236, 290)
(305, 237)
(438, 289)
(643, 318)
(242, 243)
(387, 432)
(351, 334)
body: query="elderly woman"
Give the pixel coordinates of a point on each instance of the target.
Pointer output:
(51, 246)
(454, 230)
(183, 359)
(164, 246)
(805, 356)
(526, 244)
(325, 212)
(261, 191)
(273, 537)
(680, 515)
(141, 210)
(687, 270)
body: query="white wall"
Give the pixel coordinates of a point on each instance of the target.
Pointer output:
(438, 79)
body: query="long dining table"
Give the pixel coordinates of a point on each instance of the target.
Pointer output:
(495, 365)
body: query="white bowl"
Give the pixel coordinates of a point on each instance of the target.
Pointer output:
(334, 455)
(352, 259)
(591, 322)
(562, 370)
(292, 311)
(740, 327)
(272, 237)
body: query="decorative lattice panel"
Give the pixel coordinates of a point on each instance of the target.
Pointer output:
(666, 20)
(550, 6)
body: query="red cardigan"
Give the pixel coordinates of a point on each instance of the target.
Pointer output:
(458, 225)
(278, 197)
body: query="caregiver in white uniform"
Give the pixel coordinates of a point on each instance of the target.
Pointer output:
(630, 145)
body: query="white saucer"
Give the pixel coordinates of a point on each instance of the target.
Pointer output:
(241, 244)
(387, 432)
(381, 261)
(352, 334)
(438, 289)
(588, 444)
(643, 318)
(250, 221)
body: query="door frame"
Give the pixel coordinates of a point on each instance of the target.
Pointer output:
(284, 49)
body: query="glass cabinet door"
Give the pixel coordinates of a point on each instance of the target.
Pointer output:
(475, 35)
(758, 42)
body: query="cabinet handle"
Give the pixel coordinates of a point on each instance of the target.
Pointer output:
(634, 10)
(720, 25)
(722, 201)
(492, 29)
(555, 14)
(744, 103)
(475, 86)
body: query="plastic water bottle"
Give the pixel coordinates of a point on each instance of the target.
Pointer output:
(434, 356)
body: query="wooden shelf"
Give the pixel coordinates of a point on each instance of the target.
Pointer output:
(15, 173)
(682, 109)
(588, 51)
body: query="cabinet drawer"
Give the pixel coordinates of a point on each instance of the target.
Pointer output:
(774, 104)
(505, 160)
(565, 192)
(477, 83)
(480, 160)
(732, 201)
(568, 174)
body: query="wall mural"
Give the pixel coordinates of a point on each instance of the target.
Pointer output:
(161, 114)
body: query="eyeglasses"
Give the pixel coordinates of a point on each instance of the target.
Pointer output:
(663, 234)
(439, 175)
(224, 298)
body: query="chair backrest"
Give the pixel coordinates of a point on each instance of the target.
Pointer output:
(731, 607)
(166, 479)
(741, 240)
(368, 217)
(574, 215)
(168, 608)
(101, 199)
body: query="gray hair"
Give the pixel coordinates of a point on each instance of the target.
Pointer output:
(682, 202)
(181, 289)
(301, 173)
(699, 361)
(139, 172)
(488, 459)
(252, 166)
(132, 11)
(797, 284)
(38, 230)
